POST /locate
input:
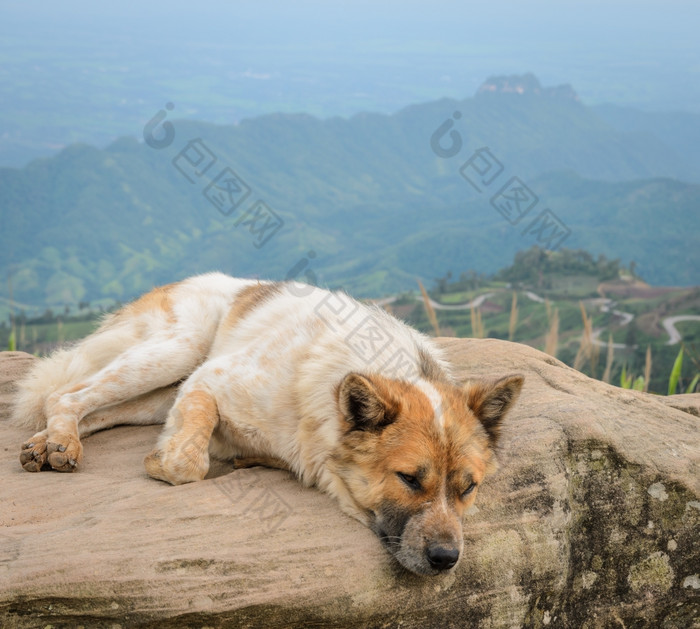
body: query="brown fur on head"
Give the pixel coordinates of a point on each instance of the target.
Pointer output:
(413, 469)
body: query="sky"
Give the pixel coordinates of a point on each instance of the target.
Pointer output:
(108, 65)
(553, 38)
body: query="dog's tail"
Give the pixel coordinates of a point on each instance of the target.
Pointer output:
(65, 367)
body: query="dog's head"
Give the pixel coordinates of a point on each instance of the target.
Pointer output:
(413, 455)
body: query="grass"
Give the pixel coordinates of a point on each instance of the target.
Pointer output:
(513, 322)
(675, 373)
(609, 357)
(563, 327)
(588, 351)
(477, 323)
(430, 311)
(647, 369)
(551, 342)
(40, 338)
(461, 297)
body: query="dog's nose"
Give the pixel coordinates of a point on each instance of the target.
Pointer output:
(442, 558)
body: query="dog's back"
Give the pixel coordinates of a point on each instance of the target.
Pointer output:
(191, 309)
(207, 315)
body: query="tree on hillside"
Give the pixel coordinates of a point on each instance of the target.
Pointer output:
(533, 265)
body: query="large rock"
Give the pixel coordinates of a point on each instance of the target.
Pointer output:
(592, 521)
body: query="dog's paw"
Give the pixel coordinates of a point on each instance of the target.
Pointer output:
(177, 466)
(33, 455)
(65, 452)
(154, 465)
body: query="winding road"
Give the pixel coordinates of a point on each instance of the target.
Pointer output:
(474, 303)
(605, 304)
(669, 323)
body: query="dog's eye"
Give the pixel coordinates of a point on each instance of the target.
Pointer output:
(410, 481)
(468, 490)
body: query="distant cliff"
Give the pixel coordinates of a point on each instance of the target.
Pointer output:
(525, 84)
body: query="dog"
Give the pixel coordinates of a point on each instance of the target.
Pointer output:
(342, 394)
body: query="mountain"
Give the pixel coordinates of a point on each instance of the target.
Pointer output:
(364, 202)
(678, 130)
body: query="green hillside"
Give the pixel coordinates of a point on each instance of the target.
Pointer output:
(365, 200)
(679, 130)
(522, 301)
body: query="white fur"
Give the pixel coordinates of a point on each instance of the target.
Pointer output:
(273, 373)
(435, 401)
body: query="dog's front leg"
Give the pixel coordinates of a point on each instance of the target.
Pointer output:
(182, 453)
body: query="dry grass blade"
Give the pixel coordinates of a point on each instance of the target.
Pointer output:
(552, 338)
(593, 355)
(580, 359)
(513, 323)
(647, 370)
(430, 311)
(585, 348)
(609, 359)
(477, 324)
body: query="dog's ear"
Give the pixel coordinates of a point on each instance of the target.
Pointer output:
(366, 403)
(491, 400)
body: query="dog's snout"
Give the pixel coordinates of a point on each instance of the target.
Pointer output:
(442, 558)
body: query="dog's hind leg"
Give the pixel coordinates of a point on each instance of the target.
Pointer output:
(150, 408)
(33, 453)
(144, 410)
(182, 453)
(158, 362)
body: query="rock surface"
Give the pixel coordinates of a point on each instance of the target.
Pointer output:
(593, 520)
